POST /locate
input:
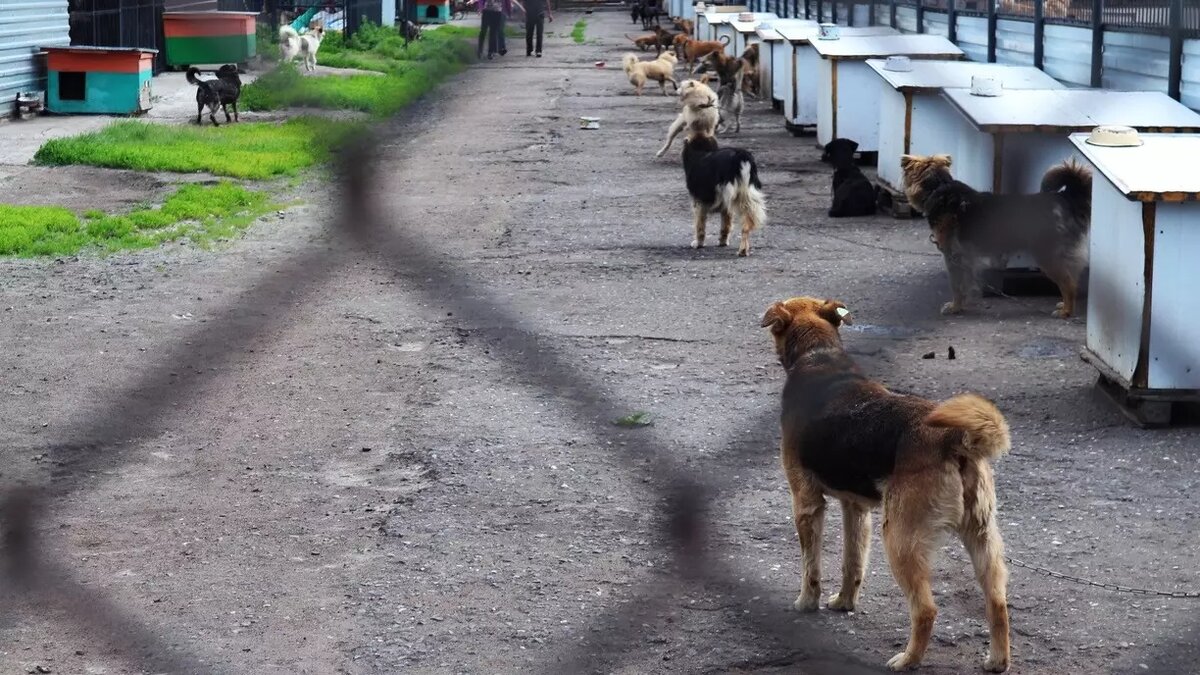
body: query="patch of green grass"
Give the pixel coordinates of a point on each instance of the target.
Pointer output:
(637, 419)
(245, 150)
(408, 72)
(577, 31)
(203, 213)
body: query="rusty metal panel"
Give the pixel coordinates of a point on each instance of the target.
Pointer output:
(25, 27)
(937, 23)
(1190, 81)
(1014, 42)
(906, 19)
(1068, 54)
(1136, 61)
(973, 36)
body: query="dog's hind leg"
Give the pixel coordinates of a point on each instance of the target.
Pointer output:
(726, 226)
(199, 113)
(700, 212)
(225, 109)
(212, 114)
(981, 538)
(235, 112)
(909, 540)
(856, 528)
(1061, 272)
(808, 511)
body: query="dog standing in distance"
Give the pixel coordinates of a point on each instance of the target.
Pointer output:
(690, 51)
(643, 42)
(219, 93)
(292, 44)
(699, 115)
(929, 465)
(725, 181)
(731, 102)
(971, 228)
(750, 72)
(853, 194)
(661, 70)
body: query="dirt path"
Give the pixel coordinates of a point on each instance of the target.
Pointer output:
(365, 485)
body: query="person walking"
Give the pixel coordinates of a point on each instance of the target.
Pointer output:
(537, 12)
(492, 16)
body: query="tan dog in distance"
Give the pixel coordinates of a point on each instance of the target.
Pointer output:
(690, 51)
(661, 70)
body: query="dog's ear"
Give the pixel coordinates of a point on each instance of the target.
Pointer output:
(943, 160)
(835, 312)
(907, 161)
(777, 318)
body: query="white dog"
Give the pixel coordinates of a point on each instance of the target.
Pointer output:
(700, 113)
(292, 44)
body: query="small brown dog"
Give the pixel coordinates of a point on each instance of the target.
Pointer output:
(661, 70)
(928, 464)
(690, 51)
(750, 70)
(685, 26)
(644, 42)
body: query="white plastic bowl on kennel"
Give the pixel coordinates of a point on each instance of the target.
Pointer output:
(803, 64)
(1143, 311)
(914, 118)
(745, 33)
(848, 89)
(1006, 142)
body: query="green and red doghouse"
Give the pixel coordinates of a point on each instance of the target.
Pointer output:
(209, 38)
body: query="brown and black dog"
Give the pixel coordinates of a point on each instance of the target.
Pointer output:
(973, 229)
(928, 464)
(644, 42)
(750, 81)
(660, 39)
(690, 51)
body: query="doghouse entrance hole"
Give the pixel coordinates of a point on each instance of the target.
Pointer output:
(431, 11)
(71, 86)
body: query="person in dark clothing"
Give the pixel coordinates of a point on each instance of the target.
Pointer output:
(537, 12)
(492, 15)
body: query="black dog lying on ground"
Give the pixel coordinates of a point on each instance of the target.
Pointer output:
(219, 93)
(853, 193)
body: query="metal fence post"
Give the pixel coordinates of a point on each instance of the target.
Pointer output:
(991, 23)
(1175, 67)
(1097, 42)
(892, 21)
(850, 13)
(1039, 32)
(952, 18)
(920, 16)
(871, 18)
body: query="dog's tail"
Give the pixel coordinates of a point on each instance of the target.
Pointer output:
(748, 197)
(724, 39)
(191, 76)
(986, 431)
(1074, 181)
(287, 33)
(629, 61)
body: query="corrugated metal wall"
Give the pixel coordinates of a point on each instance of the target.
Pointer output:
(1136, 61)
(1068, 54)
(26, 26)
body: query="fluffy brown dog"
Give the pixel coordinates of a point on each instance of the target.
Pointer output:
(661, 70)
(690, 50)
(928, 464)
(972, 228)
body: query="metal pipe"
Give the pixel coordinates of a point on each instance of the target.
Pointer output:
(1039, 32)
(991, 34)
(1097, 42)
(1175, 66)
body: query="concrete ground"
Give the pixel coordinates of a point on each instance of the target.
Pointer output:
(346, 472)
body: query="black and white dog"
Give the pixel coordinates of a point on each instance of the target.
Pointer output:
(219, 93)
(725, 181)
(853, 193)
